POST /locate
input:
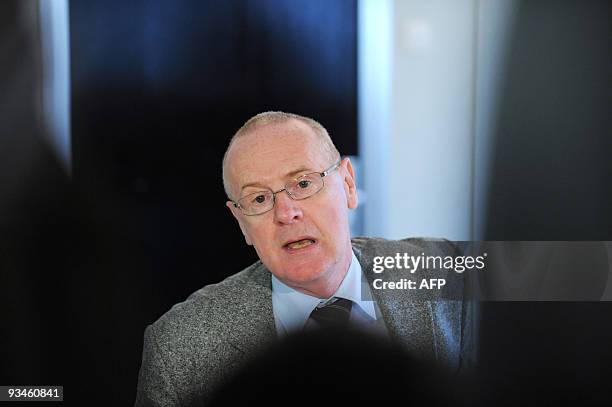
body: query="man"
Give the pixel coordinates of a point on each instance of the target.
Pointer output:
(291, 193)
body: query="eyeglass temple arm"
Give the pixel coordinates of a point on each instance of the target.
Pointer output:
(330, 169)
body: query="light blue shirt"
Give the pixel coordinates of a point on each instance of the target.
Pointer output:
(292, 308)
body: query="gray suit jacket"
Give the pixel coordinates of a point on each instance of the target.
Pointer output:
(200, 342)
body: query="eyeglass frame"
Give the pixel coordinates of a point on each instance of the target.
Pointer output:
(322, 174)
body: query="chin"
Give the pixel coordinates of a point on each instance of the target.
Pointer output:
(303, 274)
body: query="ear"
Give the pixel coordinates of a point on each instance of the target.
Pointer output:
(350, 186)
(237, 213)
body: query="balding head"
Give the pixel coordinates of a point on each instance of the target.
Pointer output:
(260, 120)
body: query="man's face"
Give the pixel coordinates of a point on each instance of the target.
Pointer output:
(267, 158)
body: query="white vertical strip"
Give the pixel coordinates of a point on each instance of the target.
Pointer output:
(374, 66)
(431, 146)
(54, 23)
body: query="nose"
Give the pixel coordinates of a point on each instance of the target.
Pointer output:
(286, 210)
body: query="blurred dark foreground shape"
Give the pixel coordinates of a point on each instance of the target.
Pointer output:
(337, 367)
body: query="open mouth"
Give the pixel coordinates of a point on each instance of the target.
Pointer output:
(299, 244)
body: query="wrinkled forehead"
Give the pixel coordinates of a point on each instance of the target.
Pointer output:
(270, 154)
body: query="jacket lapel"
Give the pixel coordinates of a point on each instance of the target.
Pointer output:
(409, 320)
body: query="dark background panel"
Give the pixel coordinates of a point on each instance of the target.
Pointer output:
(158, 89)
(551, 180)
(552, 170)
(543, 353)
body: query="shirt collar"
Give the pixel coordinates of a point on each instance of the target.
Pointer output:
(292, 308)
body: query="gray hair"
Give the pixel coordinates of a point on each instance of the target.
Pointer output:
(266, 118)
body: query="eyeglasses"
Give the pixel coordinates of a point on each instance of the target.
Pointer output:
(302, 187)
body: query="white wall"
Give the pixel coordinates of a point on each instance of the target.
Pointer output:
(426, 71)
(375, 81)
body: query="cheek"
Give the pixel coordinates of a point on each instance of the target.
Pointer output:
(334, 223)
(262, 240)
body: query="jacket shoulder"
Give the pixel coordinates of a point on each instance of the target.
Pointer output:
(190, 349)
(209, 307)
(379, 246)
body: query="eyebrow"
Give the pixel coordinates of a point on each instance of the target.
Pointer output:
(291, 174)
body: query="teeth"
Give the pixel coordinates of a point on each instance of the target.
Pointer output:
(300, 244)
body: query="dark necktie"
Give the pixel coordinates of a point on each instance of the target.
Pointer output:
(334, 314)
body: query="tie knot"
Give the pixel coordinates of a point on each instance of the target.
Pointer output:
(334, 314)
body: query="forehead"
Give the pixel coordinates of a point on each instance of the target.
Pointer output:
(268, 153)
